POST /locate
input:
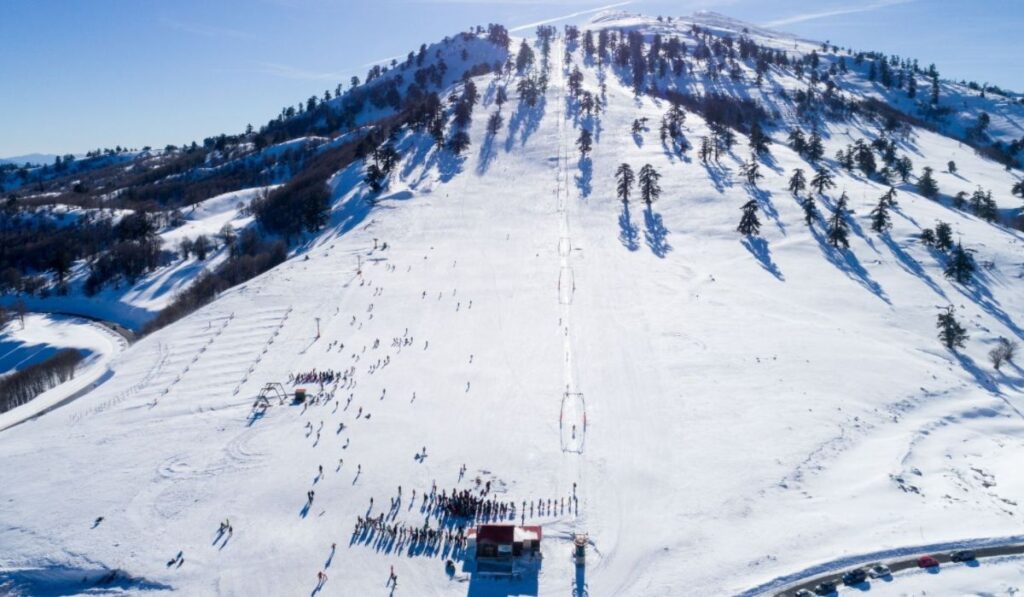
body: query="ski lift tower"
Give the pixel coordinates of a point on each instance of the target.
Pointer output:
(579, 552)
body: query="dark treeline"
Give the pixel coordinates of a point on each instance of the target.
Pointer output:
(21, 386)
(250, 256)
(30, 246)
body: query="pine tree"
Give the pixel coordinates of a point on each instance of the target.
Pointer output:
(951, 333)
(880, 220)
(943, 236)
(524, 59)
(797, 182)
(374, 178)
(751, 171)
(459, 142)
(977, 200)
(797, 141)
(1018, 188)
(986, 207)
(749, 224)
(649, 189)
(926, 184)
(759, 141)
(584, 142)
(889, 198)
(928, 237)
(904, 167)
(865, 158)
(494, 123)
(961, 265)
(705, 149)
(934, 75)
(810, 210)
(822, 180)
(815, 150)
(838, 228)
(624, 182)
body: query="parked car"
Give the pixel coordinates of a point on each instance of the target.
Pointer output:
(854, 577)
(825, 587)
(927, 562)
(878, 570)
(963, 555)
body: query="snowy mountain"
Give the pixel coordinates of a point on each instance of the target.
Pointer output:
(30, 158)
(476, 309)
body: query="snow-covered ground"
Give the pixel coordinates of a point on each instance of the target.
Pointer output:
(743, 408)
(44, 335)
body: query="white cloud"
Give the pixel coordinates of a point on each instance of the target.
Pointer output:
(569, 16)
(811, 16)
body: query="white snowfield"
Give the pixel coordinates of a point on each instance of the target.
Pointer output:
(744, 410)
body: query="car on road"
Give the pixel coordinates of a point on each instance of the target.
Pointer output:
(927, 562)
(854, 577)
(878, 570)
(804, 593)
(825, 587)
(963, 555)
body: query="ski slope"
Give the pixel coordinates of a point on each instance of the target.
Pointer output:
(742, 409)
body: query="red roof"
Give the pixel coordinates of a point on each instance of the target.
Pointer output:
(496, 533)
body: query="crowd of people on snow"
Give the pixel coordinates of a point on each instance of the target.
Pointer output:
(320, 377)
(448, 515)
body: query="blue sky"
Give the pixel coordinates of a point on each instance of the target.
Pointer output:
(83, 74)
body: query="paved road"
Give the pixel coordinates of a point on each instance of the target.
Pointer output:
(117, 328)
(902, 563)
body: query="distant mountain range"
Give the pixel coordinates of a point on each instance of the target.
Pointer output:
(31, 158)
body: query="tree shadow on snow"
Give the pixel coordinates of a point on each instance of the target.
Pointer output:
(61, 580)
(978, 292)
(629, 235)
(758, 247)
(764, 201)
(449, 165)
(583, 179)
(486, 155)
(524, 122)
(846, 261)
(719, 175)
(910, 265)
(655, 233)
